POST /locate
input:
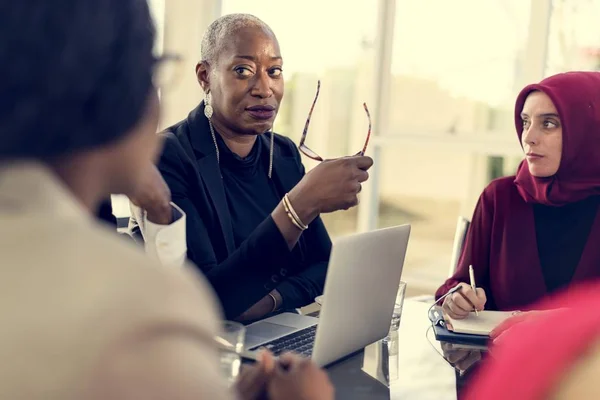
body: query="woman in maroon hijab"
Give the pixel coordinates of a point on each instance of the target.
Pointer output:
(539, 231)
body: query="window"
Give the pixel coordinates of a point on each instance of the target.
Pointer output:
(455, 72)
(574, 36)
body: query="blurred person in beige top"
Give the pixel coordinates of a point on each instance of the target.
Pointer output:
(84, 314)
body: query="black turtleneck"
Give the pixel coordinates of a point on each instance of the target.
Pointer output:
(562, 233)
(251, 195)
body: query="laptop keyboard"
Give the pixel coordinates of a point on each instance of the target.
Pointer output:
(300, 342)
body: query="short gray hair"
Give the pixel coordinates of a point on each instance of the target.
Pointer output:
(212, 41)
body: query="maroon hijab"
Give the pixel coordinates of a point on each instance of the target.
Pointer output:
(576, 96)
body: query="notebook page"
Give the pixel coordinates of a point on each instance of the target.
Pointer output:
(482, 324)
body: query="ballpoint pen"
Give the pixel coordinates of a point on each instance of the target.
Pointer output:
(472, 277)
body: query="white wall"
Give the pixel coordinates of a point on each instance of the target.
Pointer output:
(184, 24)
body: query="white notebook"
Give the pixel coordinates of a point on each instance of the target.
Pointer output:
(482, 324)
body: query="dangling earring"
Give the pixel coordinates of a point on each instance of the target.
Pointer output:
(271, 155)
(208, 112)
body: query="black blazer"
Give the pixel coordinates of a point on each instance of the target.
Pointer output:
(240, 276)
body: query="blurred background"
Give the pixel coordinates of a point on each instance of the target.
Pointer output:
(440, 78)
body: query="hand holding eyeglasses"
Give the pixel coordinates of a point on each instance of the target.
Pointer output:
(333, 184)
(330, 186)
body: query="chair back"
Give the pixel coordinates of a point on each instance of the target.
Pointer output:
(462, 227)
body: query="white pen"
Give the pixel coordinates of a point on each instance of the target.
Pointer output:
(472, 277)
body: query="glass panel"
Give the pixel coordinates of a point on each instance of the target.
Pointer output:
(430, 205)
(574, 37)
(456, 68)
(341, 56)
(455, 65)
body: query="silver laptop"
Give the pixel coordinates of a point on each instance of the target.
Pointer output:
(358, 301)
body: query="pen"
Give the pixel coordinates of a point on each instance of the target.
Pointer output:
(472, 277)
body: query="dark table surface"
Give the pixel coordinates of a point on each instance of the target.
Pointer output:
(409, 364)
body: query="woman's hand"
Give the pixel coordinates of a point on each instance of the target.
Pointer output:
(252, 382)
(330, 186)
(460, 303)
(154, 196)
(298, 378)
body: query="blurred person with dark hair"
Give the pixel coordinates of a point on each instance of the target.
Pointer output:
(253, 215)
(84, 315)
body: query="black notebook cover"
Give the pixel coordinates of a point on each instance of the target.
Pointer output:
(444, 335)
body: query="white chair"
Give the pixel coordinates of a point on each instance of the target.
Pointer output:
(462, 227)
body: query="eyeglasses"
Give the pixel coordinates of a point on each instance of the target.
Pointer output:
(311, 154)
(167, 70)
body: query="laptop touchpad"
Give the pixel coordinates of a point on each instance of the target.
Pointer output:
(264, 331)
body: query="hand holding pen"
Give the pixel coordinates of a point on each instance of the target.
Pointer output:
(466, 299)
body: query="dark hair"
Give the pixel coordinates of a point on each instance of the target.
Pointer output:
(74, 74)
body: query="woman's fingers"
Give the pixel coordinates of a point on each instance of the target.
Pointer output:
(476, 298)
(452, 310)
(462, 302)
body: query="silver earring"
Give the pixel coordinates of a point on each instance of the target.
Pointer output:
(208, 109)
(208, 112)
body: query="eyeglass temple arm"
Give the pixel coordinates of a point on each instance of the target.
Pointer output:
(305, 131)
(362, 153)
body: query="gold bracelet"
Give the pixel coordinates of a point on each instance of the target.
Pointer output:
(274, 303)
(286, 199)
(291, 217)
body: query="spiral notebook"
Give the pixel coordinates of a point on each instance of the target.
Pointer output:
(481, 324)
